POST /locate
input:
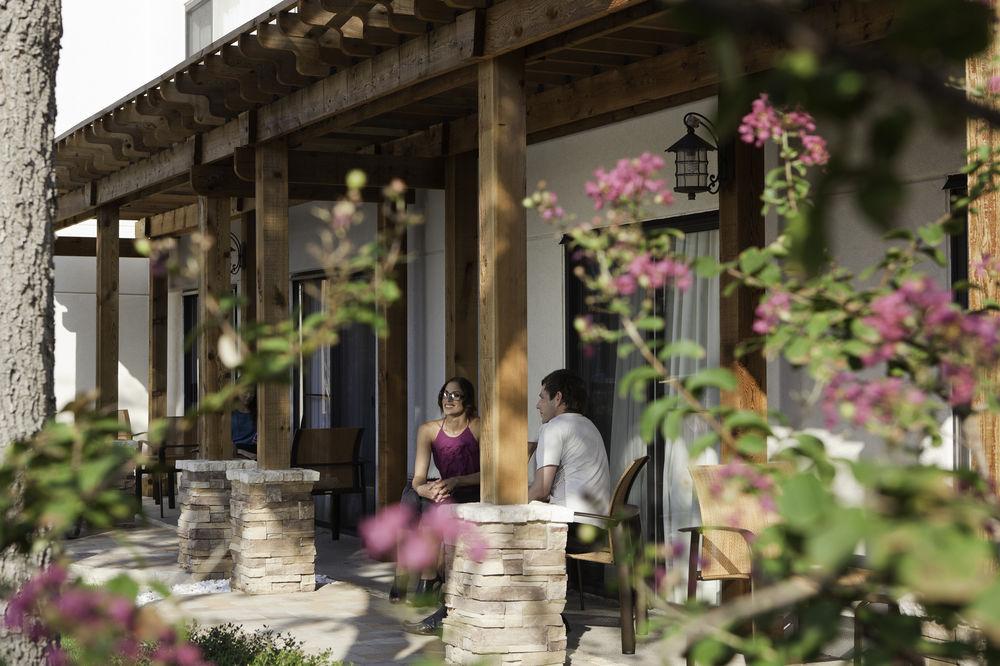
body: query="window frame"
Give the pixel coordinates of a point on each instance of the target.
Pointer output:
(189, 9)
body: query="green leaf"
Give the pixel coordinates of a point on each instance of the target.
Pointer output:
(652, 416)
(672, 424)
(932, 234)
(834, 545)
(747, 419)
(701, 443)
(682, 349)
(650, 324)
(707, 267)
(803, 501)
(719, 378)
(122, 585)
(751, 444)
(753, 259)
(636, 380)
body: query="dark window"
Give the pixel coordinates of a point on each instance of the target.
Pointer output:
(601, 368)
(190, 324)
(336, 386)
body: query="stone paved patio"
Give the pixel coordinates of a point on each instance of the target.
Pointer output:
(351, 616)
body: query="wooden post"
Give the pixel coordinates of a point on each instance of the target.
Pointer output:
(503, 310)
(107, 307)
(984, 236)
(157, 341)
(461, 266)
(248, 276)
(741, 225)
(392, 384)
(274, 441)
(214, 434)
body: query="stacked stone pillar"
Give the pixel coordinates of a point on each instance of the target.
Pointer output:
(273, 543)
(204, 529)
(506, 608)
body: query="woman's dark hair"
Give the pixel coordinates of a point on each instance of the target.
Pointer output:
(573, 389)
(468, 395)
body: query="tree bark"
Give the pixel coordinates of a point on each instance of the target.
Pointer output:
(29, 54)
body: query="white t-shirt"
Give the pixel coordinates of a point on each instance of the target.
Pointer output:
(573, 444)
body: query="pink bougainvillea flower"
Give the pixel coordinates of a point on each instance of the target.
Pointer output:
(772, 309)
(628, 182)
(418, 551)
(762, 124)
(440, 521)
(993, 85)
(382, 532)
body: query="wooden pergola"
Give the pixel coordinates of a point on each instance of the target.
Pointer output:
(445, 94)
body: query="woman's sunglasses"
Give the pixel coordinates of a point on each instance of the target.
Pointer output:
(452, 395)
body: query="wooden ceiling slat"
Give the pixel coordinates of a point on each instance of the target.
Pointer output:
(586, 57)
(197, 107)
(307, 57)
(246, 81)
(620, 46)
(263, 74)
(283, 62)
(121, 145)
(197, 81)
(140, 139)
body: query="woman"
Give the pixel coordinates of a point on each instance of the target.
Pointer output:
(453, 442)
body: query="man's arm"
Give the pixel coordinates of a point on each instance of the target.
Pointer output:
(541, 487)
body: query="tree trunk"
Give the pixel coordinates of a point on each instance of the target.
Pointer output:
(29, 53)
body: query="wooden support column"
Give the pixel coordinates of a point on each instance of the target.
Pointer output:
(461, 267)
(107, 307)
(984, 238)
(392, 386)
(274, 437)
(741, 225)
(157, 342)
(503, 310)
(214, 435)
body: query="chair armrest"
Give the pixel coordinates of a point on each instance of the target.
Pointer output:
(598, 516)
(700, 529)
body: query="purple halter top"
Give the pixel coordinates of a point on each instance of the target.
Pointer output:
(455, 456)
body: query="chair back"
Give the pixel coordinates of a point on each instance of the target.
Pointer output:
(724, 554)
(126, 431)
(178, 443)
(619, 498)
(333, 452)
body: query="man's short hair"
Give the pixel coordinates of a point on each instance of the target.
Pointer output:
(573, 389)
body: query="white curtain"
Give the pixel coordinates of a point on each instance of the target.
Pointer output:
(314, 390)
(689, 315)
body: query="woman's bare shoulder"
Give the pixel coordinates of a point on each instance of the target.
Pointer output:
(433, 424)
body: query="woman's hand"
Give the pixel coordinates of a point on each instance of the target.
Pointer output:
(442, 489)
(428, 490)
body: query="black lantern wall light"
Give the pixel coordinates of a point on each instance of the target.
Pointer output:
(691, 155)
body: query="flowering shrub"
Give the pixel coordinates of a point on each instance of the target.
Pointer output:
(101, 624)
(887, 359)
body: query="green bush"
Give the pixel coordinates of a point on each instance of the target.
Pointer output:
(231, 645)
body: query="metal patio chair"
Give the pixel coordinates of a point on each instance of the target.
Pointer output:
(336, 454)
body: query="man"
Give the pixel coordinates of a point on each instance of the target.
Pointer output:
(571, 464)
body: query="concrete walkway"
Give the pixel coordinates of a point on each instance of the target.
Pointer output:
(351, 616)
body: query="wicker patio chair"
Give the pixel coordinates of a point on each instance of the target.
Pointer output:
(617, 548)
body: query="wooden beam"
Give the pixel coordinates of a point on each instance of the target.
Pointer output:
(73, 246)
(157, 379)
(461, 267)
(321, 168)
(176, 222)
(274, 436)
(392, 385)
(741, 226)
(984, 239)
(214, 437)
(503, 311)
(214, 180)
(107, 307)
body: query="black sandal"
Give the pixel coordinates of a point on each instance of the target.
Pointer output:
(431, 625)
(427, 591)
(397, 593)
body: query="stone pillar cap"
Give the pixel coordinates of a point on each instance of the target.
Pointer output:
(272, 475)
(481, 512)
(214, 465)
